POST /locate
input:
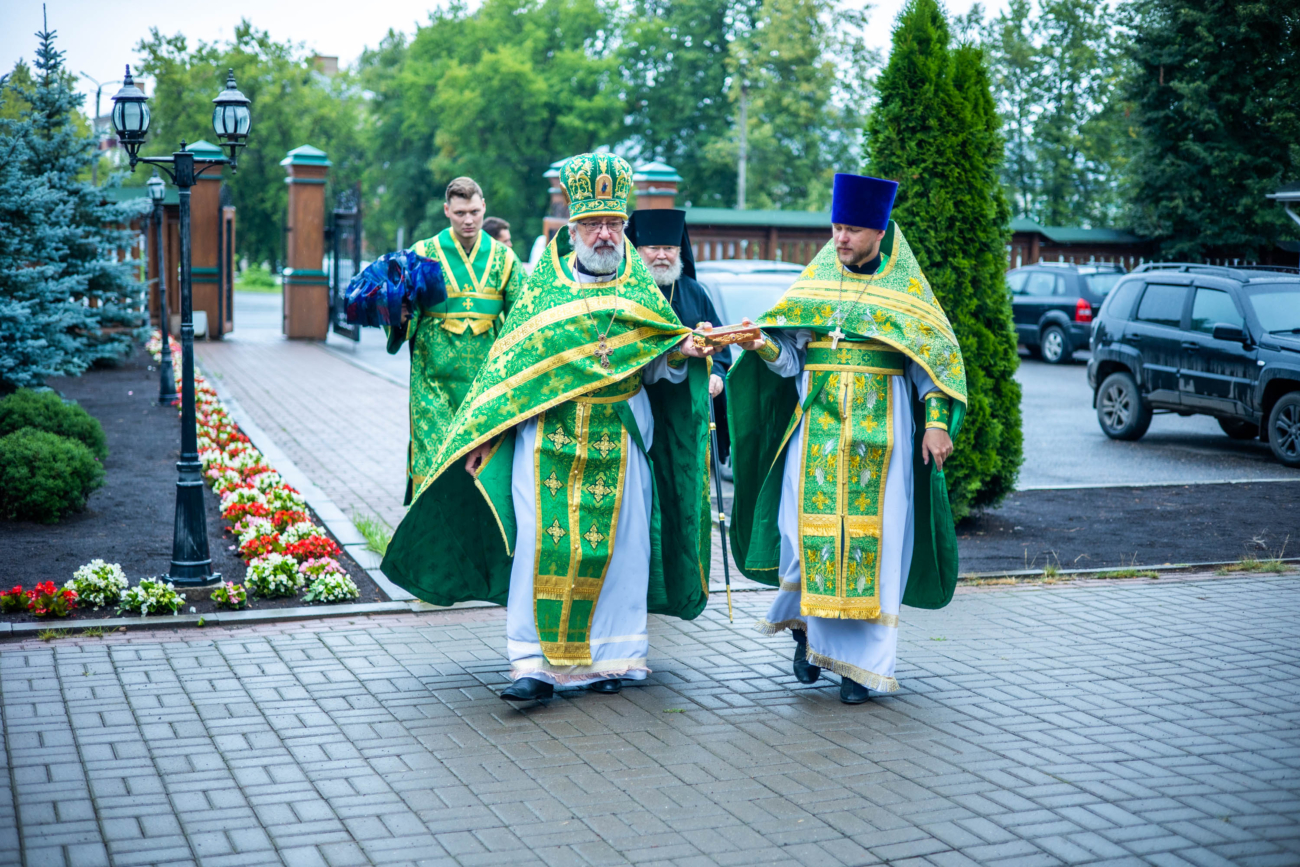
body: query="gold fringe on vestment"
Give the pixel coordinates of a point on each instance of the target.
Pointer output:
(768, 628)
(869, 679)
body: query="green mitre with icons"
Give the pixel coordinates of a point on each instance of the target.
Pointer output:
(596, 185)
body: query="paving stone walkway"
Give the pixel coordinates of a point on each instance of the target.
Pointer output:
(1132, 723)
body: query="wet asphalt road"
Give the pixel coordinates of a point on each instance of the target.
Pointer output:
(1064, 444)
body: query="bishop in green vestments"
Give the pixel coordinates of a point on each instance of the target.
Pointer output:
(841, 418)
(449, 344)
(572, 485)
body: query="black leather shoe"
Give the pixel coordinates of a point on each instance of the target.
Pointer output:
(804, 671)
(528, 689)
(852, 692)
(608, 687)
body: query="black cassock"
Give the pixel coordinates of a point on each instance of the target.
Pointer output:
(666, 227)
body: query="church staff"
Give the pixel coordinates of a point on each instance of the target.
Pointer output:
(842, 417)
(583, 503)
(450, 342)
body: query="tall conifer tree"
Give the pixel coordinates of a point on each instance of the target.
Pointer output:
(935, 131)
(39, 323)
(90, 231)
(1216, 124)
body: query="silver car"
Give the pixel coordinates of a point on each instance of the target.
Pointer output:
(741, 288)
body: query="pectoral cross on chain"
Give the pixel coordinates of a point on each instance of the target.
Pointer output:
(836, 336)
(603, 350)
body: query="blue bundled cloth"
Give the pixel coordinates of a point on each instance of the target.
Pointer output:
(375, 295)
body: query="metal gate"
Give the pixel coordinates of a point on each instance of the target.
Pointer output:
(344, 241)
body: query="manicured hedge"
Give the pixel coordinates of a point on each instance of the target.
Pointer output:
(45, 410)
(44, 476)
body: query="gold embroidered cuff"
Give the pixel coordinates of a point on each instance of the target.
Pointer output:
(676, 358)
(938, 410)
(770, 351)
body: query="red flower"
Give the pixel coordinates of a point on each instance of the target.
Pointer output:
(238, 511)
(264, 544)
(44, 599)
(312, 547)
(285, 517)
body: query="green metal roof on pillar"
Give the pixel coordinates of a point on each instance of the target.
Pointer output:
(205, 151)
(306, 155)
(656, 171)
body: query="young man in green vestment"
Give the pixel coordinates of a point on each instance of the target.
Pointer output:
(572, 485)
(449, 344)
(842, 415)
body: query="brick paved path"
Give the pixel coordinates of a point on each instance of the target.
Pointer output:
(345, 428)
(1125, 724)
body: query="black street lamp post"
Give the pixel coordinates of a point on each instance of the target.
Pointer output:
(166, 375)
(191, 564)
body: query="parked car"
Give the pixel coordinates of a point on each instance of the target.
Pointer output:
(1201, 340)
(742, 288)
(1053, 303)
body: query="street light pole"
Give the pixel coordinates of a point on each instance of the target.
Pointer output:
(191, 564)
(166, 372)
(94, 125)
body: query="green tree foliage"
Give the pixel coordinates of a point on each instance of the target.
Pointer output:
(674, 59)
(802, 67)
(292, 105)
(1216, 123)
(935, 130)
(68, 297)
(1056, 73)
(497, 94)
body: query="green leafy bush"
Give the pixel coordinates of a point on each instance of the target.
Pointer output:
(151, 595)
(44, 476)
(45, 410)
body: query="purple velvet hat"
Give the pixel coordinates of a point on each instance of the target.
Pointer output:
(858, 200)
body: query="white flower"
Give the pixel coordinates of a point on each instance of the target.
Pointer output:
(299, 531)
(332, 587)
(98, 583)
(273, 575)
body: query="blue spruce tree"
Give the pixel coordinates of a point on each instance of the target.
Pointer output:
(89, 231)
(40, 324)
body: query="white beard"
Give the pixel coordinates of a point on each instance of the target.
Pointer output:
(666, 275)
(604, 259)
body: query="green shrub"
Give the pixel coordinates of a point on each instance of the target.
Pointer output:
(935, 128)
(44, 476)
(45, 410)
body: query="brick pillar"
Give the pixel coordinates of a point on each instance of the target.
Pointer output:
(306, 286)
(656, 186)
(557, 211)
(205, 235)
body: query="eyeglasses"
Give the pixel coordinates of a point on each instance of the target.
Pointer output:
(596, 226)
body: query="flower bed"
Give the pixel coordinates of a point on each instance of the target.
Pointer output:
(128, 523)
(276, 535)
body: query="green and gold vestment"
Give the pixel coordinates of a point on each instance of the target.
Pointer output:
(887, 318)
(457, 540)
(450, 343)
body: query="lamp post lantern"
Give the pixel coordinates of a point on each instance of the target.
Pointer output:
(191, 564)
(166, 377)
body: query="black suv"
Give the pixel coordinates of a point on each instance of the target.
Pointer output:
(1053, 304)
(1201, 339)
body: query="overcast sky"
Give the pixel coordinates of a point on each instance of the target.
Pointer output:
(99, 37)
